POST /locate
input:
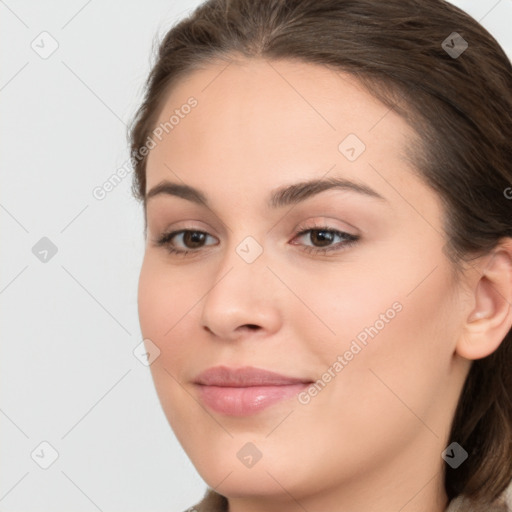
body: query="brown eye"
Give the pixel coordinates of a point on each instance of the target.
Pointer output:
(193, 239)
(323, 238)
(183, 241)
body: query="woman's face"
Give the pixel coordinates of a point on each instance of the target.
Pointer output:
(374, 321)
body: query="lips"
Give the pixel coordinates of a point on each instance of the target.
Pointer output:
(244, 377)
(245, 391)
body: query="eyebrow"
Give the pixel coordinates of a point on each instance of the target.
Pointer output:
(283, 196)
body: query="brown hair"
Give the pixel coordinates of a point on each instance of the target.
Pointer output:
(461, 108)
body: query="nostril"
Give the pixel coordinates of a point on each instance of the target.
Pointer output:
(252, 326)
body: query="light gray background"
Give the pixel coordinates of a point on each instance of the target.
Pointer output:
(69, 326)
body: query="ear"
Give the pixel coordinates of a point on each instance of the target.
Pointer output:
(491, 317)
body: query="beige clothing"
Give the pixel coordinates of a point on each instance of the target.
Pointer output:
(214, 502)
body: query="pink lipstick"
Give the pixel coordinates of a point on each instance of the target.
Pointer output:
(245, 391)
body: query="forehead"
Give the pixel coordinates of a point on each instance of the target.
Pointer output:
(261, 121)
(257, 93)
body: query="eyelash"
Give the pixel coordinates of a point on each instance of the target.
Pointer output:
(349, 240)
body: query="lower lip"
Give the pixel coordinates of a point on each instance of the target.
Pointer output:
(247, 400)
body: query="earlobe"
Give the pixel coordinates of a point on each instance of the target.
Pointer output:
(490, 320)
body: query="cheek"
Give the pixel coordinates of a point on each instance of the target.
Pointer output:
(153, 301)
(399, 346)
(167, 303)
(164, 297)
(395, 319)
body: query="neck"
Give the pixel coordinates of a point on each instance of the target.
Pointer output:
(413, 481)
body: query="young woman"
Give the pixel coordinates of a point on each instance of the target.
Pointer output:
(327, 278)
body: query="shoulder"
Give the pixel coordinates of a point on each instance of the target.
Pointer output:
(464, 504)
(211, 502)
(214, 502)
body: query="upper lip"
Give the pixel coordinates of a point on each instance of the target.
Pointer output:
(244, 377)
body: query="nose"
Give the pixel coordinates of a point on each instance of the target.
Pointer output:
(243, 298)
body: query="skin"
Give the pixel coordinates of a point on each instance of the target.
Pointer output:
(371, 440)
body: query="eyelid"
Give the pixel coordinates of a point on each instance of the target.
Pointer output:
(348, 237)
(328, 223)
(191, 225)
(347, 240)
(158, 221)
(312, 223)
